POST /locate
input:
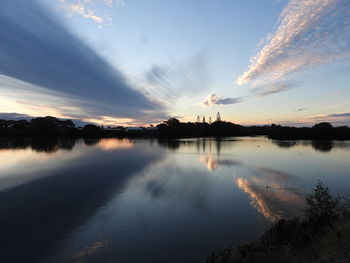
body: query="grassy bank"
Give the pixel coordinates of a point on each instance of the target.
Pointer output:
(323, 235)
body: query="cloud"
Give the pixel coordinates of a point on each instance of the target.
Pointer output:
(121, 2)
(88, 9)
(258, 92)
(179, 77)
(213, 99)
(310, 33)
(330, 116)
(300, 109)
(272, 89)
(336, 119)
(339, 115)
(80, 9)
(14, 116)
(19, 116)
(37, 49)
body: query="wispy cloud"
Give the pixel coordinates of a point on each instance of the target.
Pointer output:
(310, 33)
(258, 92)
(213, 99)
(90, 8)
(81, 10)
(273, 88)
(339, 115)
(14, 116)
(300, 109)
(37, 49)
(19, 116)
(178, 78)
(336, 119)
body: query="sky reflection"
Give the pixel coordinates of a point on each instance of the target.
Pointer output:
(114, 144)
(119, 200)
(273, 200)
(61, 198)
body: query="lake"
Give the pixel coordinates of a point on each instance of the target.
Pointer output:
(133, 200)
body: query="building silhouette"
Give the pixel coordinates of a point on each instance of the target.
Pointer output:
(218, 118)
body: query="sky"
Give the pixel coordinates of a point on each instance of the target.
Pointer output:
(127, 62)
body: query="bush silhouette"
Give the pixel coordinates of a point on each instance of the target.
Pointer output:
(321, 205)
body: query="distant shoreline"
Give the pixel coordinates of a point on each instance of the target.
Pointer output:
(173, 128)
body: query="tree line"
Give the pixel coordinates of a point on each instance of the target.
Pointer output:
(51, 126)
(320, 131)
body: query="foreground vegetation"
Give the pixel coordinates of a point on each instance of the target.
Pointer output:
(323, 235)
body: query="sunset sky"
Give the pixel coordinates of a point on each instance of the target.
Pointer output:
(137, 62)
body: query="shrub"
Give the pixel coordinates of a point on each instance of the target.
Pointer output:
(321, 206)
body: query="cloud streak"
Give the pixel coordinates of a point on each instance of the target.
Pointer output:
(87, 9)
(37, 49)
(300, 109)
(14, 116)
(213, 99)
(270, 89)
(81, 10)
(310, 33)
(339, 115)
(178, 77)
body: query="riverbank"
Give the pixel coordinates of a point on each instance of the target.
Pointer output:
(52, 127)
(332, 244)
(322, 236)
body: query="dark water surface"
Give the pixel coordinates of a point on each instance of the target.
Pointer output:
(130, 201)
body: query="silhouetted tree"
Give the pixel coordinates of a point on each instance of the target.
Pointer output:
(68, 123)
(321, 205)
(173, 122)
(91, 130)
(322, 126)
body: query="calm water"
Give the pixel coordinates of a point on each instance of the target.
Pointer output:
(131, 201)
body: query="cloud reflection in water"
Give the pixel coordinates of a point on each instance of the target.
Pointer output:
(213, 163)
(114, 144)
(271, 194)
(270, 191)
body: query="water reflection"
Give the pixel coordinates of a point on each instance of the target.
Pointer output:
(27, 161)
(273, 203)
(272, 194)
(177, 185)
(284, 144)
(47, 145)
(322, 146)
(209, 161)
(270, 191)
(88, 251)
(52, 145)
(171, 144)
(140, 201)
(215, 162)
(114, 144)
(318, 145)
(35, 216)
(91, 142)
